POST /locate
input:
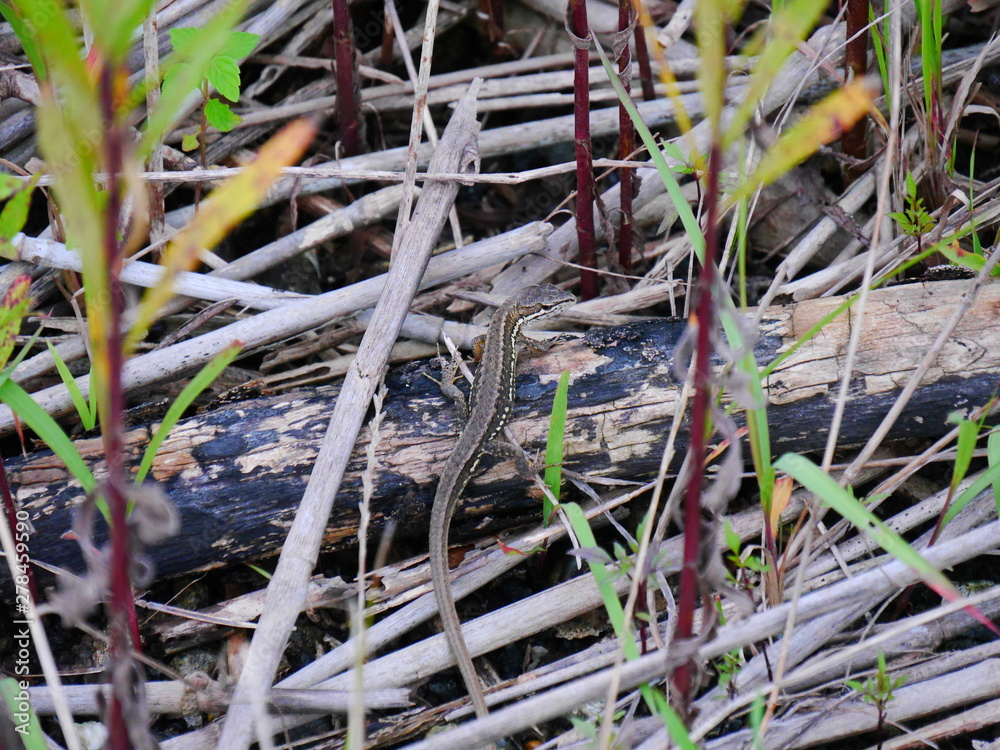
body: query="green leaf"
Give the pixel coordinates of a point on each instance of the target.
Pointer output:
(224, 74)
(88, 414)
(27, 728)
(993, 457)
(965, 446)
(48, 430)
(205, 377)
(732, 538)
(185, 40)
(220, 116)
(806, 473)
(9, 185)
(15, 212)
(240, 44)
(989, 477)
(215, 35)
(26, 38)
(554, 445)
(189, 142)
(15, 305)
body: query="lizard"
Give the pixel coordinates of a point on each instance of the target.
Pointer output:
(488, 412)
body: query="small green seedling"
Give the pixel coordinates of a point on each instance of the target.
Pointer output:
(878, 689)
(914, 221)
(223, 74)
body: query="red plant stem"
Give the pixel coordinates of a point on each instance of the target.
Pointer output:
(10, 511)
(642, 57)
(699, 421)
(584, 150)
(491, 24)
(347, 101)
(385, 52)
(626, 141)
(856, 55)
(123, 629)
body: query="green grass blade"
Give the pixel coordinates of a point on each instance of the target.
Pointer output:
(965, 446)
(989, 477)
(205, 377)
(25, 720)
(605, 584)
(554, 445)
(684, 211)
(993, 456)
(48, 430)
(810, 476)
(87, 415)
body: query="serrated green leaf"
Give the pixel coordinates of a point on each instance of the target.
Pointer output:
(240, 44)
(177, 81)
(189, 142)
(224, 75)
(186, 40)
(216, 32)
(220, 116)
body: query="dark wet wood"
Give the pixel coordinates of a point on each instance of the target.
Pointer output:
(236, 474)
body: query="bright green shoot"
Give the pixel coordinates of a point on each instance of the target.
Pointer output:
(205, 377)
(878, 688)
(87, 410)
(223, 73)
(554, 446)
(915, 220)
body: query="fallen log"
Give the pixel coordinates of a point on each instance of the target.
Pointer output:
(236, 474)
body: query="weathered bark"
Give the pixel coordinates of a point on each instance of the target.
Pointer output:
(237, 473)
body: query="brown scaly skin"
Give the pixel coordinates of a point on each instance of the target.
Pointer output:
(491, 405)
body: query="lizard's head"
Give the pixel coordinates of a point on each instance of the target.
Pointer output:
(539, 301)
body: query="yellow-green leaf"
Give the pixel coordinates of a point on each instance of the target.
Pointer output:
(822, 124)
(226, 207)
(12, 310)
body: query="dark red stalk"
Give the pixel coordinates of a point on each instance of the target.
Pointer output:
(687, 598)
(347, 88)
(584, 150)
(122, 624)
(642, 57)
(626, 138)
(856, 54)
(491, 25)
(10, 511)
(385, 52)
